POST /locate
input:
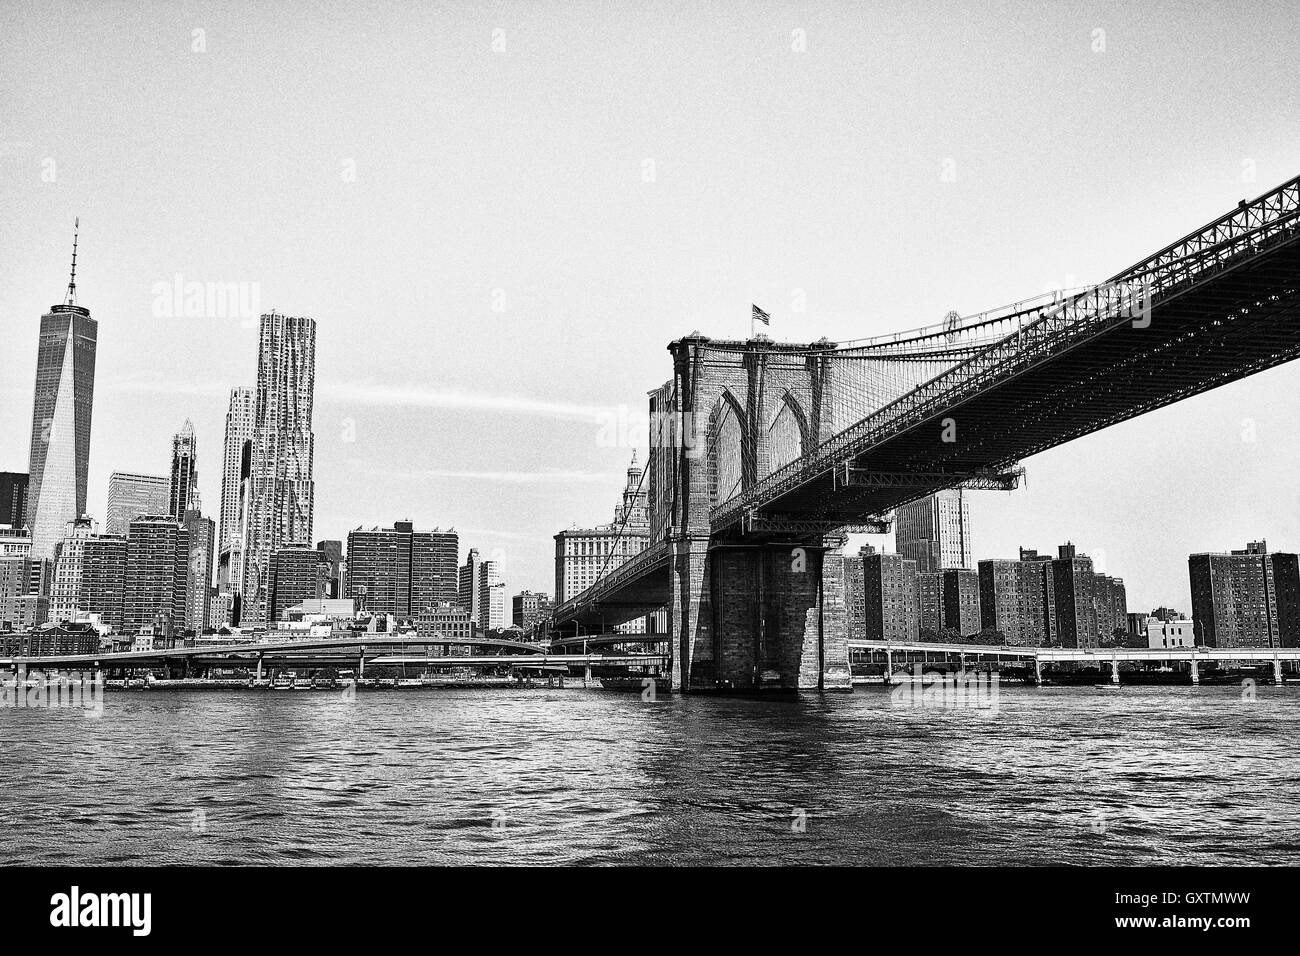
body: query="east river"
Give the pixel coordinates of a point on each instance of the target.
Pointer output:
(1084, 775)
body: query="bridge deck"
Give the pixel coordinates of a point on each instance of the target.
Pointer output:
(255, 649)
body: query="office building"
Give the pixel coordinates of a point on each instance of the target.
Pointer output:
(131, 495)
(220, 610)
(935, 531)
(281, 505)
(435, 576)
(401, 571)
(61, 415)
(299, 573)
(23, 612)
(198, 586)
(13, 499)
(444, 621)
(14, 576)
(157, 574)
(494, 604)
(15, 542)
(183, 488)
(528, 609)
(89, 575)
(471, 577)
(332, 551)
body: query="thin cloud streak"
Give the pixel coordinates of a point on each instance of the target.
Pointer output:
(394, 396)
(190, 388)
(504, 535)
(418, 396)
(504, 477)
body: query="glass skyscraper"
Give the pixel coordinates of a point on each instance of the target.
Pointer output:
(65, 393)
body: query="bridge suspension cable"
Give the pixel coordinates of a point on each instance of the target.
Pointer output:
(627, 513)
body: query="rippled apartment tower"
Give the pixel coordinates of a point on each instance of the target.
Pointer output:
(281, 490)
(65, 393)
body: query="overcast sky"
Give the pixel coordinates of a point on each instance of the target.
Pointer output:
(499, 214)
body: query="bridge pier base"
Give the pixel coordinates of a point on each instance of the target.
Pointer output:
(1038, 671)
(1196, 673)
(1114, 671)
(1277, 671)
(758, 617)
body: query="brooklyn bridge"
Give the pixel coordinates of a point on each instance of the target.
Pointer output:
(765, 455)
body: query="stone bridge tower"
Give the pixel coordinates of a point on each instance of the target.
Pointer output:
(747, 609)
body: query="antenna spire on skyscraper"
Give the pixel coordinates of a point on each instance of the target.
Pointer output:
(72, 281)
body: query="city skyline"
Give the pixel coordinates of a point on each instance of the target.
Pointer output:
(506, 451)
(187, 439)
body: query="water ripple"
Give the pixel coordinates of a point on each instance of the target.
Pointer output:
(1061, 775)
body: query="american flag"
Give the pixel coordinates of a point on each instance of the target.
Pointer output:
(760, 315)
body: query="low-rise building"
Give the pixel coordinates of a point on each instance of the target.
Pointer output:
(445, 621)
(1173, 633)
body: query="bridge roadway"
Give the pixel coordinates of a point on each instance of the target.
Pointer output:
(1050, 655)
(216, 654)
(1114, 656)
(518, 660)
